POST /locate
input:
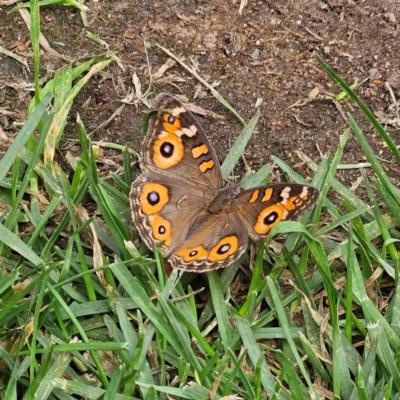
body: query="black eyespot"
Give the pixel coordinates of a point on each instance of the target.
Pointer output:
(167, 149)
(297, 201)
(224, 248)
(161, 229)
(171, 119)
(271, 218)
(193, 253)
(153, 198)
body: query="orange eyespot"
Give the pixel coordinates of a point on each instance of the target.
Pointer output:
(269, 217)
(161, 229)
(293, 203)
(153, 198)
(195, 253)
(224, 248)
(171, 123)
(168, 151)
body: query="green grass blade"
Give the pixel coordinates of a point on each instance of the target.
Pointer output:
(238, 147)
(14, 242)
(60, 118)
(284, 323)
(250, 344)
(220, 308)
(362, 106)
(115, 382)
(20, 140)
(380, 172)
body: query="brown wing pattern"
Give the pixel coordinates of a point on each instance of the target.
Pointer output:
(181, 205)
(177, 147)
(263, 207)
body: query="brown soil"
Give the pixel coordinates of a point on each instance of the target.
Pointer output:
(266, 52)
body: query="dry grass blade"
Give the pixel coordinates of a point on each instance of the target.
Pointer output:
(15, 56)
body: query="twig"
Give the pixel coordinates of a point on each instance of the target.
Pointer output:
(215, 93)
(117, 112)
(395, 102)
(294, 33)
(18, 58)
(314, 34)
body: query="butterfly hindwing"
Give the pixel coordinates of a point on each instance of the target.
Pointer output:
(162, 211)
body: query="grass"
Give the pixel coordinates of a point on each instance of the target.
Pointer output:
(86, 314)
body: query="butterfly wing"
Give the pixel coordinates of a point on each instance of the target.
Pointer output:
(261, 208)
(216, 240)
(176, 146)
(163, 211)
(213, 241)
(189, 235)
(177, 203)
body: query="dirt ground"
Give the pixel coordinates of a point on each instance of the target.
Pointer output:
(266, 51)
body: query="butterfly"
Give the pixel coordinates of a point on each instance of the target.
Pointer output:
(181, 203)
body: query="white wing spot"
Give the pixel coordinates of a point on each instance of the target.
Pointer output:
(178, 110)
(304, 192)
(285, 214)
(191, 131)
(285, 193)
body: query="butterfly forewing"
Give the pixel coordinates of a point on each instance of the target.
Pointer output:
(263, 207)
(177, 147)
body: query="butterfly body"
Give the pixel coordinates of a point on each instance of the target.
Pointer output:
(182, 204)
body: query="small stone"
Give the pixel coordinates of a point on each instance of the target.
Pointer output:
(391, 18)
(374, 73)
(255, 54)
(314, 93)
(210, 40)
